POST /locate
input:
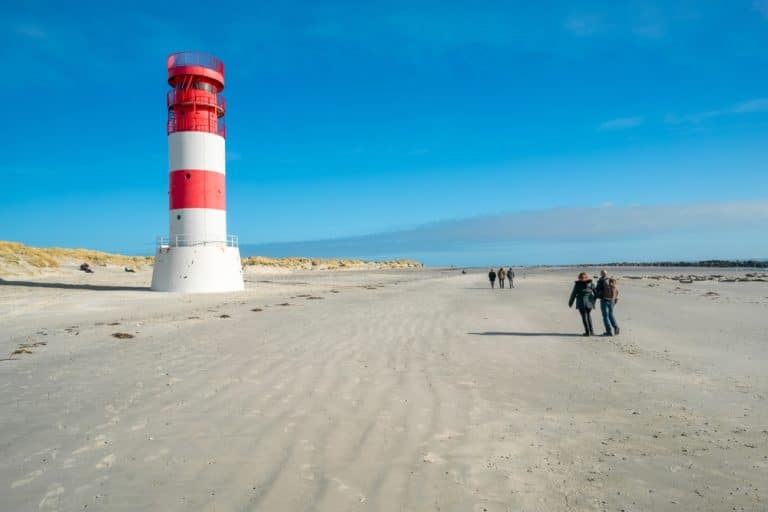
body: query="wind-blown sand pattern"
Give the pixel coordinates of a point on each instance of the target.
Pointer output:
(401, 390)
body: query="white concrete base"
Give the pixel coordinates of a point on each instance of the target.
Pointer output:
(199, 269)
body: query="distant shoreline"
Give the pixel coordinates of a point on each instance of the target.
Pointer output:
(746, 264)
(699, 264)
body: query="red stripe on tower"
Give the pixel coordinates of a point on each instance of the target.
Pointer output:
(192, 188)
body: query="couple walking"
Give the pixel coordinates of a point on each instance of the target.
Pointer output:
(502, 274)
(585, 293)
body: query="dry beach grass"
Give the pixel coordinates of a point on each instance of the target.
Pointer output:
(17, 258)
(20, 259)
(298, 263)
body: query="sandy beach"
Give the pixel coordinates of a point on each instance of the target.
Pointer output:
(390, 390)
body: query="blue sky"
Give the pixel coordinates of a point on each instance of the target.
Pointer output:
(352, 121)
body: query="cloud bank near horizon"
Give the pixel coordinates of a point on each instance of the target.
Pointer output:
(709, 227)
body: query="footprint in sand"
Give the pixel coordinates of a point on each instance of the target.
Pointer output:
(307, 473)
(348, 491)
(99, 441)
(257, 310)
(433, 458)
(447, 435)
(139, 426)
(107, 462)
(27, 479)
(151, 458)
(50, 500)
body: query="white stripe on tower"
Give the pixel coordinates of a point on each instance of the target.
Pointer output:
(196, 150)
(198, 215)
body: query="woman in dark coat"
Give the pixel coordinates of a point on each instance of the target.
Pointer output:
(492, 278)
(584, 295)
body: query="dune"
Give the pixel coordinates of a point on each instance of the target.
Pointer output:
(19, 259)
(299, 263)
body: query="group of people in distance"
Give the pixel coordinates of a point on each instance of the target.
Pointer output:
(502, 274)
(584, 294)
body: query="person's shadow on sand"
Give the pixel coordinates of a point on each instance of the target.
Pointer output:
(72, 286)
(526, 334)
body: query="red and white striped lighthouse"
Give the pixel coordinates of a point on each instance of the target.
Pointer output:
(198, 255)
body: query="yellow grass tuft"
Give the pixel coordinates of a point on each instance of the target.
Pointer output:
(14, 254)
(297, 263)
(15, 257)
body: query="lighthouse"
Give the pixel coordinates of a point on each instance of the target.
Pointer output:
(198, 255)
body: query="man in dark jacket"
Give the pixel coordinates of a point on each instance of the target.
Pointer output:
(492, 278)
(601, 284)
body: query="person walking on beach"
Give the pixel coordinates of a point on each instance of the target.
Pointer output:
(583, 294)
(608, 293)
(511, 277)
(502, 274)
(492, 278)
(610, 298)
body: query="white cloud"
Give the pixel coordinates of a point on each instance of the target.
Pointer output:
(762, 7)
(31, 31)
(759, 105)
(614, 23)
(650, 31)
(621, 123)
(746, 107)
(583, 25)
(605, 223)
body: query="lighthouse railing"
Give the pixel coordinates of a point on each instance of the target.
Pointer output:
(195, 98)
(164, 242)
(195, 124)
(195, 59)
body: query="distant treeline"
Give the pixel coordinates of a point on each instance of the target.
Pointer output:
(705, 263)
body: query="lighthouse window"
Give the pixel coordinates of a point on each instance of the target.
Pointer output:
(178, 217)
(188, 176)
(203, 86)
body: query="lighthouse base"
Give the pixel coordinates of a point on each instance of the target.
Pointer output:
(198, 269)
